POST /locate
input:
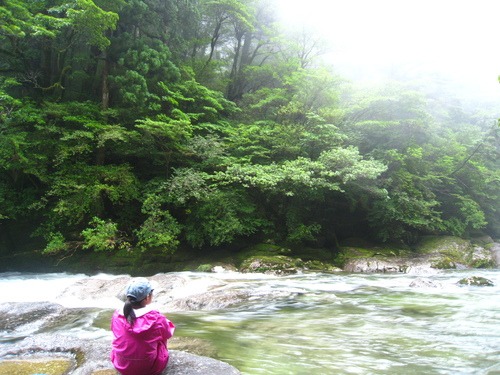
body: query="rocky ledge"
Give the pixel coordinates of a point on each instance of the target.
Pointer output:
(431, 254)
(63, 355)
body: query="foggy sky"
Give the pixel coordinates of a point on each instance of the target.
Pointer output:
(457, 38)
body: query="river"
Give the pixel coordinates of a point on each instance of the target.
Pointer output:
(321, 324)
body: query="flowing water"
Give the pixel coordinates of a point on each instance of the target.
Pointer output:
(324, 323)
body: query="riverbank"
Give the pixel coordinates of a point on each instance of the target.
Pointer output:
(354, 255)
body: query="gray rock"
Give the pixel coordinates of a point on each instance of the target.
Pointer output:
(182, 363)
(26, 315)
(425, 283)
(475, 281)
(416, 266)
(92, 356)
(495, 253)
(433, 254)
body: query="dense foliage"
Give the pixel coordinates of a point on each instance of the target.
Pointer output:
(140, 124)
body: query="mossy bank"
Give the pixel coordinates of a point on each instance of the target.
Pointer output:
(353, 255)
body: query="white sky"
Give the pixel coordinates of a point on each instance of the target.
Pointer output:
(458, 37)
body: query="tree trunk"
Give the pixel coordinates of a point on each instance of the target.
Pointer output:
(105, 84)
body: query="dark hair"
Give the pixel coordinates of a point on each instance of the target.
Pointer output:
(128, 309)
(130, 304)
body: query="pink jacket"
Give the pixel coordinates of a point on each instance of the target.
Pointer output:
(141, 349)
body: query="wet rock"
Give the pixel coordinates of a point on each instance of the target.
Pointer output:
(27, 316)
(275, 265)
(442, 245)
(495, 253)
(96, 288)
(172, 292)
(432, 253)
(482, 240)
(425, 283)
(416, 266)
(182, 363)
(371, 265)
(20, 320)
(213, 300)
(481, 258)
(92, 357)
(47, 365)
(476, 281)
(193, 345)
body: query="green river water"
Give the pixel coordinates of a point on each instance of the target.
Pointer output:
(340, 324)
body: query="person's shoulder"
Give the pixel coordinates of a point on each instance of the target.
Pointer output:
(151, 311)
(157, 315)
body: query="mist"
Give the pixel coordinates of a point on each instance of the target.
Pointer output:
(450, 43)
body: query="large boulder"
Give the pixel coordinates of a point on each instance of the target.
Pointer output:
(432, 253)
(475, 281)
(495, 253)
(172, 292)
(66, 355)
(26, 317)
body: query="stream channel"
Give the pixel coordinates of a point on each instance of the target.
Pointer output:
(316, 323)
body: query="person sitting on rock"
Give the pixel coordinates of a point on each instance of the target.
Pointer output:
(140, 333)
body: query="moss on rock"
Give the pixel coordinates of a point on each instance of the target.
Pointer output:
(476, 281)
(46, 366)
(277, 264)
(442, 245)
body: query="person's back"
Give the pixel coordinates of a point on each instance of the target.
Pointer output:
(141, 333)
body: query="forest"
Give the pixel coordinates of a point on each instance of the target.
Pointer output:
(170, 124)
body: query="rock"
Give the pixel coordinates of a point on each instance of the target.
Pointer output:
(275, 265)
(431, 253)
(26, 316)
(94, 288)
(482, 240)
(416, 266)
(172, 292)
(182, 363)
(281, 265)
(425, 283)
(495, 253)
(38, 365)
(442, 245)
(212, 300)
(482, 258)
(475, 281)
(84, 357)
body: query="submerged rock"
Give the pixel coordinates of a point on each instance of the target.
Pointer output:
(26, 316)
(45, 364)
(425, 283)
(476, 281)
(212, 300)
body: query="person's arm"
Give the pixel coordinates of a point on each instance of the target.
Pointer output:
(167, 328)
